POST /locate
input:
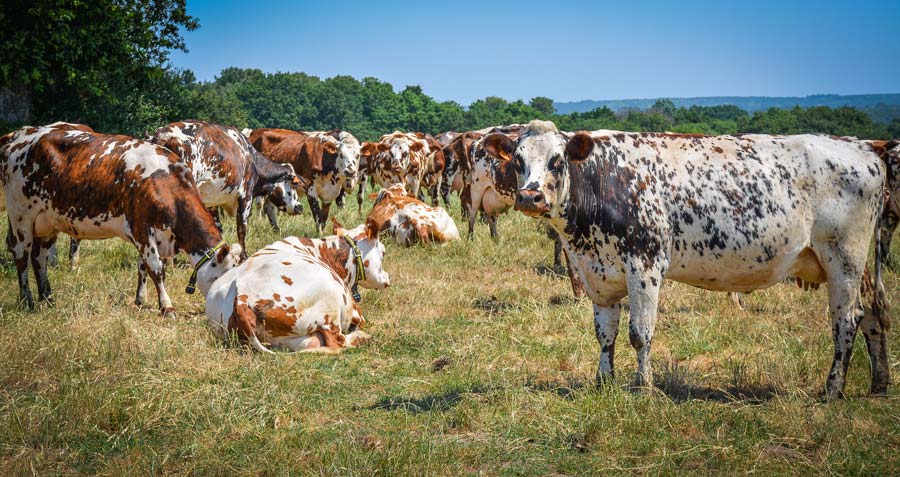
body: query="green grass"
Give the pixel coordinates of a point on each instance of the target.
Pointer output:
(480, 364)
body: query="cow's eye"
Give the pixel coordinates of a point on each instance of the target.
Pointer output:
(555, 163)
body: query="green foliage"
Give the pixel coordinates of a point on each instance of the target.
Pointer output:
(101, 62)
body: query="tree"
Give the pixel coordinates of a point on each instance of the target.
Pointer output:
(84, 60)
(543, 104)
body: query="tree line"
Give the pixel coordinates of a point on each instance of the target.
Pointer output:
(105, 63)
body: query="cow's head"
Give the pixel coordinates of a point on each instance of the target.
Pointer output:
(541, 164)
(225, 258)
(372, 253)
(286, 194)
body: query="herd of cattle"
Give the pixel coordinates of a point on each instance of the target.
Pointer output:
(626, 210)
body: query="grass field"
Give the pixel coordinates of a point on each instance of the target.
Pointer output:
(481, 363)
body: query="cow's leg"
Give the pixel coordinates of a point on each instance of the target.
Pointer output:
(574, 279)
(52, 256)
(360, 192)
(39, 254)
(843, 271)
(140, 295)
(74, 252)
(214, 211)
(339, 200)
(242, 217)
(325, 212)
(557, 251)
(19, 243)
(875, 331)
(472, 212)
(492, 224)
(465, 200)
(272, 214)
(606, 328)
(889, 221)
(643, 300)
(157, 271)
(313, 201)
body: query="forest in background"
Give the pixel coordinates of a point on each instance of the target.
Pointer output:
(105, 64)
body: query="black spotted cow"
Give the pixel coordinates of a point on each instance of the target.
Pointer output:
(729, 213)
(890, 152)
(229, 172)
(67, 178)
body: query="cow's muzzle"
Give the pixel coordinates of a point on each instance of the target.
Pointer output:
(531, 202)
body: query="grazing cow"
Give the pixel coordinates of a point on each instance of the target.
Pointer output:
(729, 213)
(67, 178)
(229, 172)
(328, 161)
(409, 221)
(299, 293)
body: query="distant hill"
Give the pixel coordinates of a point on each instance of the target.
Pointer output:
(874, 104)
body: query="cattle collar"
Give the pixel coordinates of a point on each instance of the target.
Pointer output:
(360, 268)
(192, 283)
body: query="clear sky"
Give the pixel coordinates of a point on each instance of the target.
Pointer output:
(566, 50)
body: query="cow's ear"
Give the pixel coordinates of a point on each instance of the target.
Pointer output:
(329, 147)
(338, 228)
(382, 194)
(223, 252)
(579, 147)
(368, 148)
(500, 146)
(371, 229)
(416, 146)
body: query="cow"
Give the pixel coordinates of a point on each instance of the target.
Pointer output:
(229, 172)
(458, 162)
(492, 182)
(298, 293)
(728, 213)
(433, 168)
(400, 158)
(409, 221)
(890, 152)
(67, 178)
(329, 161)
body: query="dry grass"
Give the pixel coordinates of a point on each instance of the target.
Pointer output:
(480, 363)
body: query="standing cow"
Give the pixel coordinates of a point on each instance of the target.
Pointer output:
(891, 217)
(730, 213)
(229, 172)
(67, 178)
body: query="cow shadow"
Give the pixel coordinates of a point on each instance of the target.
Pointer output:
(433, 402)
(680, 387)
(492, 304)
(544, 269)
(565, 390)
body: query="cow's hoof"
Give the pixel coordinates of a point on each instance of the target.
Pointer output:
(169, 313)
(605, 381)
(879, 388)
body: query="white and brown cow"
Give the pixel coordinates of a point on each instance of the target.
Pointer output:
(458, 162)
(400, 158)
(433, 168)
(229, 172)
(329, 161)
(297, 293)
(492, 182)
(890, 218)
(67, 178)
(729, 213)
(409, 220)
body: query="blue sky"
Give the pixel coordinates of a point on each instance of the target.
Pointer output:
(567, 50)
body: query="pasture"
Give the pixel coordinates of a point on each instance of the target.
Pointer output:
(480, 363)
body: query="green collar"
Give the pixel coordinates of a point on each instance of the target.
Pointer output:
(192, 283)
(360, 268)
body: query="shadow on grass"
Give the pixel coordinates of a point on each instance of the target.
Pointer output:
(675, 383)
(493, 304)
(433, 402)
(565, 390)
(543, 269)
(563, 300)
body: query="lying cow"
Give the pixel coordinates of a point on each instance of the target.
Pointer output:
(67, 178)
(229, 172)
(730, 213)
(409, 221)
(298, 292)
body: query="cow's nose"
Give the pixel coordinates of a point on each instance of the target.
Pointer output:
(530, 201)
